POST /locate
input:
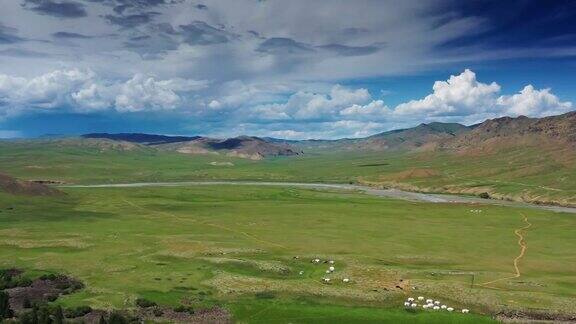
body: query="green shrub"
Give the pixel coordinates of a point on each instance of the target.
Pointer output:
(184, 309)
(5, 311)
(145, 303)
(78, 311)
(117, 318)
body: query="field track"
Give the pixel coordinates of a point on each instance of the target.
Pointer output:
(523, 247)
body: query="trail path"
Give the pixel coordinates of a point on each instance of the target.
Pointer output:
(523, 247)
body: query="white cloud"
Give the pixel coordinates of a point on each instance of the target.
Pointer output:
(460, 95)
(145, 93)
(532, 102)
(314, 106)
(462, 98)
(83, 91)
(375, 110)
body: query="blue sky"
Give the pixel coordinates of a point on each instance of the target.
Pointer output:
(293, 69)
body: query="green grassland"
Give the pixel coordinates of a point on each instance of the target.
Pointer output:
(524, 173)
(235, 246)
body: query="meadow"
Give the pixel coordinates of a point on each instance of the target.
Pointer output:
(525, 174)
(244, 248)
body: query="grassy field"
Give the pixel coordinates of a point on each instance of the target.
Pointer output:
(236, 247)
(528, 174)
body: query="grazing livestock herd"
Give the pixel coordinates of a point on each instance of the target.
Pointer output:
(410, 302)
(330, 270)
(429, 304)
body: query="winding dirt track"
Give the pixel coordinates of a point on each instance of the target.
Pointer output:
(523, 247)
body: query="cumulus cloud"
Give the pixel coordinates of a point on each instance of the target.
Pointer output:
(270, 109)
(463, 97)
(83, 91)
(533, 102)
(313, 106)
(460, 95)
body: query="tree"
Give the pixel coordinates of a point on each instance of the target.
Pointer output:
(5, 311)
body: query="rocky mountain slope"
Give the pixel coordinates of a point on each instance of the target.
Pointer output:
(408, 139)
(506, 131)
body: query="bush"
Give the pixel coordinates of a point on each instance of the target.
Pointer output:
(117, 318)
(52, 298)
(145, 303)
(23, 282)
(158, 312)
(184, 309)
(50, 276)
(5, 311)
(78, 311)
(485, 195)
(58, 315)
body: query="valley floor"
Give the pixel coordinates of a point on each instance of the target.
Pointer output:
(249, 249)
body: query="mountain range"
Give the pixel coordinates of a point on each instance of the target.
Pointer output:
(491, 134)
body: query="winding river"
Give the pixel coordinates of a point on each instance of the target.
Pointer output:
(388, 193)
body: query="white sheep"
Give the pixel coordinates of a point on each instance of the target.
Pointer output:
(410, 299)
(450, 309)
(429, 301)
(346, 280)
(327, 271)
(301, 272)
(413, 305)
(406, 304)
(443, 306)
(465, 311)
(436, 308)
(331, 268)
(331, 261)
(436, 302)
(425, 306)
(326, 280)
(420, 298)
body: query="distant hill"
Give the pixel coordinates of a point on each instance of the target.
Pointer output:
(249, 147)
(254, 148)
(417, 137)
(146, 139)
(14, 186)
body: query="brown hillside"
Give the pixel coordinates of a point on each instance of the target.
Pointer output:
(243, 146)
(503, 132)
(19, 187)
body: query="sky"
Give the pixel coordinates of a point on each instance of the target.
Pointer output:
(295, 69)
